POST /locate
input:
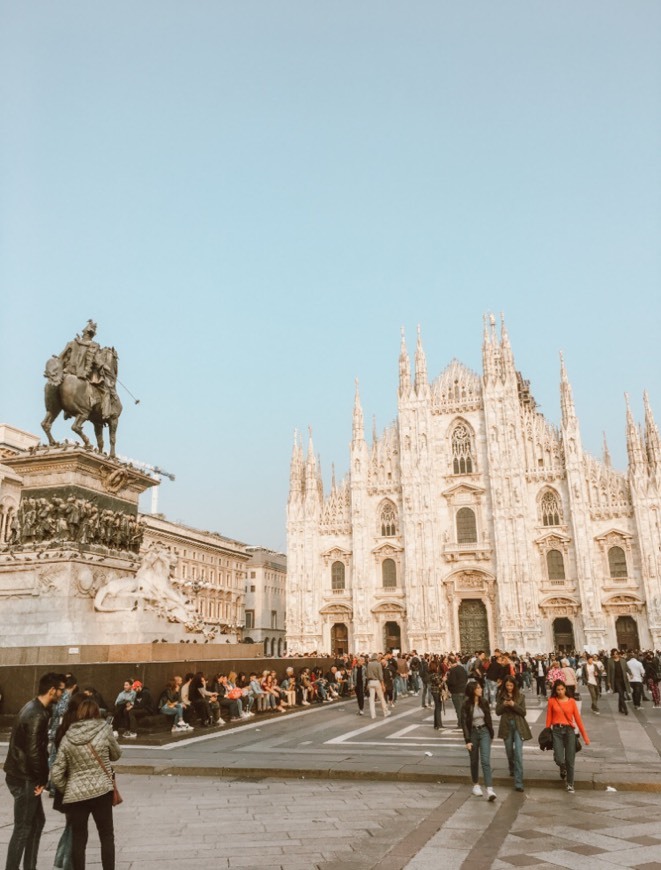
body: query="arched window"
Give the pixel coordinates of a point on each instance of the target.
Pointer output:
(388, 521)
(389, 573)
(617, 562)
(466, 526)
(337, 575)
(550, 510)
(555, 564)
(462, 450)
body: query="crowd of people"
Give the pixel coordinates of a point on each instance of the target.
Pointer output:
(65, 740)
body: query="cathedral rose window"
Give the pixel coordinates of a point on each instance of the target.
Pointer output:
(462, 450)
(551, 514)
(388, 521)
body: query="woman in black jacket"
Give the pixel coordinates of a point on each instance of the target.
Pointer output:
(478, 734)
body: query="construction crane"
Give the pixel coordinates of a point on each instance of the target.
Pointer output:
(160, 472)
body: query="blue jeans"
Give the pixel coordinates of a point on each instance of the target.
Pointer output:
(514, 750)
(177, 712)
(490, 687)
(564, 749)
(426, 695)
(29, 821)
(481, 752)
(64, 852)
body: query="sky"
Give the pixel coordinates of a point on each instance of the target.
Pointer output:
(252, 199)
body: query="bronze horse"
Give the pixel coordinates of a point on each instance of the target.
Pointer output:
(83, 400)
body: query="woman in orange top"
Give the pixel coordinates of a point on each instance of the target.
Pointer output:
(562, 717)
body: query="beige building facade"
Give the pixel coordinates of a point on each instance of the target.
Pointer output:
(210, 571)
(473, 522)
(265, 599)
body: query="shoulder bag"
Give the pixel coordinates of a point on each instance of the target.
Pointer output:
(116, 796)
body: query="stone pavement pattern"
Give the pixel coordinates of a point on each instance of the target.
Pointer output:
(166, 821)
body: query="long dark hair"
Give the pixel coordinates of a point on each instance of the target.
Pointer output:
(470, 693)
(502, 691)
(557, 683)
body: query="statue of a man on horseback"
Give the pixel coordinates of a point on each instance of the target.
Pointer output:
(82, 383)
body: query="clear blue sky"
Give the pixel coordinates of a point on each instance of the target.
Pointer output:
(250, 198)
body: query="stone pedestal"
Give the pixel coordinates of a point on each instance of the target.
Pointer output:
(78, 531)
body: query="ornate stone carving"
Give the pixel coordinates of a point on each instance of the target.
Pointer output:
(48, 522)
(151, 586)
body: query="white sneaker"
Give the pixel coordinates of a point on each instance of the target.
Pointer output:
(305, 703)
(491, 795)
(115, 733)
(219, 722)
(477, 791)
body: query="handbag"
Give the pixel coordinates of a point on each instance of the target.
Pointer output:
(234, 694)
(545, 739)
(116, 796)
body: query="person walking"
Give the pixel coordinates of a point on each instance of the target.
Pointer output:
(375, 687)
(26, 772)
(618, 681)
(358, 675)
(636, 674)
(436, 685)
(513, 727)
(83, 774)
(652, 677)
(457, 680)
(478, 733)
(562, 717)
(591, 674)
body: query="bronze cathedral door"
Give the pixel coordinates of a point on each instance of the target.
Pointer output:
(473, 626)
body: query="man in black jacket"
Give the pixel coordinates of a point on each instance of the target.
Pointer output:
(457, 679)
(26, 770)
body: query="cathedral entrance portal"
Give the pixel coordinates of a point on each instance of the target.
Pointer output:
(473, 626)
(563, 635)
(626, 631)
(393, 636)
(339, 639)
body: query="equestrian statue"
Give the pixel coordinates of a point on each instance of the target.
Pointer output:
(81, 382)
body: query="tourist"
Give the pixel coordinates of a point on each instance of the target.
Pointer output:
(554, 673)
(170, 705)
(64, 851)
(569, 677)
(26, 771)
(562, 717)
(618, 680)
(457, 680)
(436, 685)
(590, 675)
(513, 727)
(374, 676)
(652, 677)
(58, 710)
(478, 734)
(124, 719)
(540, 670)
(144, 705)
(200, 701)
(359, 678)
(636, 674)
(83, 774)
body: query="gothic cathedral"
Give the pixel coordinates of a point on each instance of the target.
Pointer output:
(472, 522)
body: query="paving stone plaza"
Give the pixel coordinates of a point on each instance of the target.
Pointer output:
(325, 788)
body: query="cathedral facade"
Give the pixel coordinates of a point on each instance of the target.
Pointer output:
(474, 523)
